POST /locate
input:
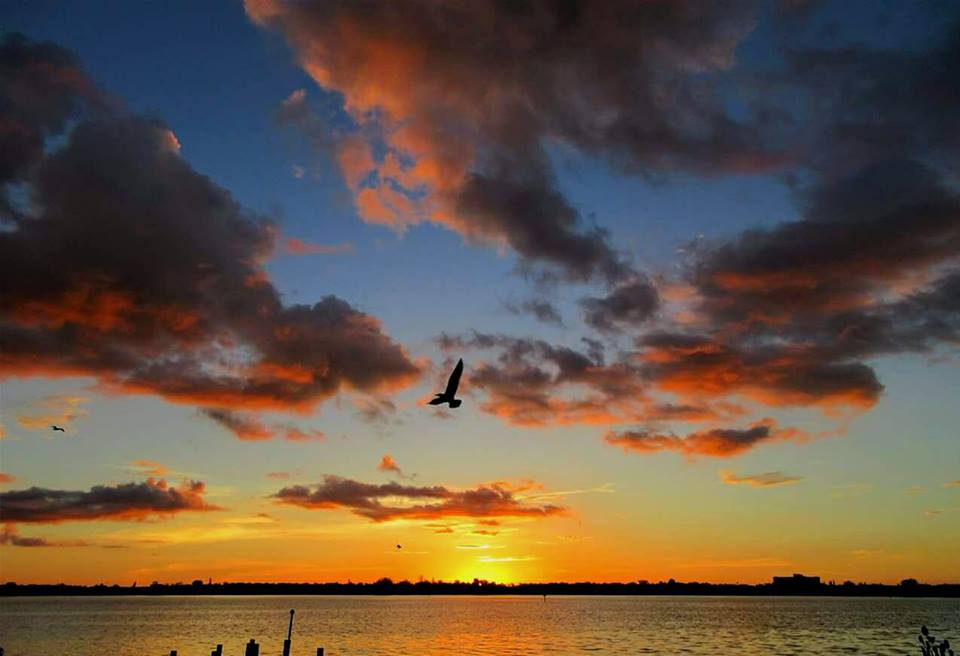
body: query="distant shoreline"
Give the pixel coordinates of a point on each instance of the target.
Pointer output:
(385, 587)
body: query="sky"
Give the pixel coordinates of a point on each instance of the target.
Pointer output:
(702, 264)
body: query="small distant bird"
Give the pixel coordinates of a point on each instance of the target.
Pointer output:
(399, 547)
(58, 428)
(447, 396)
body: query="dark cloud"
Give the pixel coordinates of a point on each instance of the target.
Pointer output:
(862, 236)
(535, 383)
(697, 366)
(543, 310)
(134, 268)
(629, 305)
(716, 442)
(127, 501)
(376, 410)
(250, 427)
(524, 207)
(864, 105)
(411, 502)
(42, 87)
(459, 101)
(792, 315)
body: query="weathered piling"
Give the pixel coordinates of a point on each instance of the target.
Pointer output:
(286, 643)
(252, 649)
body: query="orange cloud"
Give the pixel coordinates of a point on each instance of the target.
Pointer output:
(388, 464)
(299, 247)
(7, 478)
(10, 536)
(60, 410)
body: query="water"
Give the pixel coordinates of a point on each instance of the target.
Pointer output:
(480, 626)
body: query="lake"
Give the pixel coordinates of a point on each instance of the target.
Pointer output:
(417, 626)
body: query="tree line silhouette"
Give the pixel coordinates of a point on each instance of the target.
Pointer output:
(386, 586)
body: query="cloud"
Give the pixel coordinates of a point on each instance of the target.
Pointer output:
(630, 305)
(793, 315)
(60, 410)
(7, 478)
(375, 410)
(295, 246)
(767, 479)
(451, 129)
(506, 559)
(391, 501)
(249, 427)
(715, 442)
(149, 467)
(537, 384)
(159, 286)
(388, 464)
(43, 88)
(543, 310)
(955, 483)
(124, 502)
(690, 365)
(10, 536)
(279, 475)
(243, 426)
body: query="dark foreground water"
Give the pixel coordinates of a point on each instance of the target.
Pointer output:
(448, 626)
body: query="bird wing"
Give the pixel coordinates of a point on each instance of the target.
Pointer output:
(454, 381)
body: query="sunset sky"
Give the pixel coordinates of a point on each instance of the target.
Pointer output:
(702, 262)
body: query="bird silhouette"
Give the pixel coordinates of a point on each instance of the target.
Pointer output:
(399, 547)
(447, 396)
(58, 428)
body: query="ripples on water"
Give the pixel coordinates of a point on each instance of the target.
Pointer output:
(471, 626)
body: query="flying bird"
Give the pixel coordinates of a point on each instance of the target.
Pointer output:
(399, 547)
(58, 428)
(447, 396)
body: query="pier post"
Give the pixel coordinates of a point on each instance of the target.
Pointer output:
(173, 652)
(218, 651)
(319, 651)
(253, 649)
(286, 643)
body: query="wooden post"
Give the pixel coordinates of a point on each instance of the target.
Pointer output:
(319, 651)
(218, 651)
(253, 649)
(173, 652)
(286, 643)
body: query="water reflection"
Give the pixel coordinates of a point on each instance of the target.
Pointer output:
(427, 626)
